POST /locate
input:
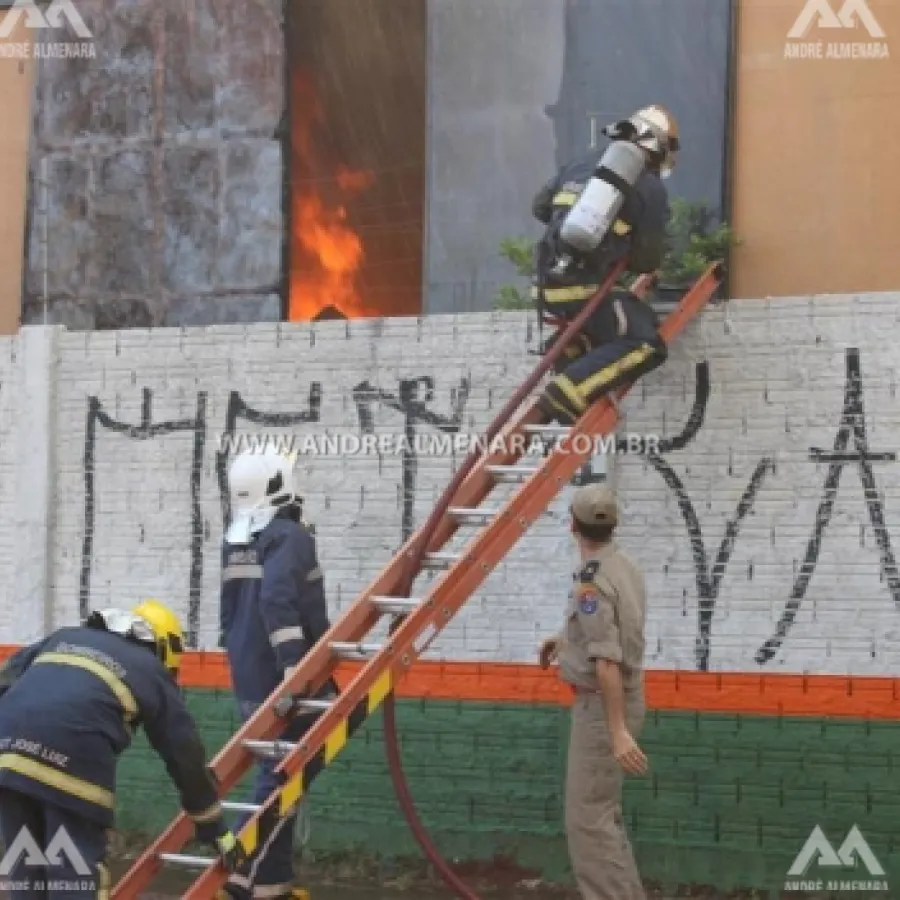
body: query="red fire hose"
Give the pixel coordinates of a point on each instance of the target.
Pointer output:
(392, 748)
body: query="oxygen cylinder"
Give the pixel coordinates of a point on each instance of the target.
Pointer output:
(593, 214)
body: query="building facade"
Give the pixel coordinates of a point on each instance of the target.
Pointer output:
(766, 523)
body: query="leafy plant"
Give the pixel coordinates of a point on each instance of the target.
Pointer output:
(520, 252)
(695, 239)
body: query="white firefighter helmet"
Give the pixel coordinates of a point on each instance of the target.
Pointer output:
(654, 129)
(259, 483)
(657, 132)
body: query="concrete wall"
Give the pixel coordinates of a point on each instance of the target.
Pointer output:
(488, 127)
(162, 168)
(760, 550)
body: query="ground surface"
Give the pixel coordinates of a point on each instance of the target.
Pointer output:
(350, 882)
(324, 887)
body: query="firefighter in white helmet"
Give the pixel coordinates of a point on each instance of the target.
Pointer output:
(604, 207)
(273, 611)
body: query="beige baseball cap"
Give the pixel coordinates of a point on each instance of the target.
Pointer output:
(595, 504)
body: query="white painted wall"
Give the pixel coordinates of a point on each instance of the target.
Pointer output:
(777, 375)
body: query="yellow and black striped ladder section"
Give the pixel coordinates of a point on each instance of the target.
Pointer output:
(255, 834)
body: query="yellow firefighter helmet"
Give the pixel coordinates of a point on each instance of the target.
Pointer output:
(167, 632)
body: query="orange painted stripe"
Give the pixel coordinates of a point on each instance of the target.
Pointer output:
(727, 692)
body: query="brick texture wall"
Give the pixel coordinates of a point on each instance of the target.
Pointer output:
(156, 170)
(730, 800)
(766, 525)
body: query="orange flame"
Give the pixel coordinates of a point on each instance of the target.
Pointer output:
(327, 252)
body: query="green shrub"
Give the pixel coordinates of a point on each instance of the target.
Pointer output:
(695, 239)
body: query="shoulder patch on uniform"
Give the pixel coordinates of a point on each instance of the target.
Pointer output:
(589, 601)
(587, 594)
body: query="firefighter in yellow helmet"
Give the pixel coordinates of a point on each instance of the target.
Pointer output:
(604, 207)
(69, 707)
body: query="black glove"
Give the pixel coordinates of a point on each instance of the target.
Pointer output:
(230, 850)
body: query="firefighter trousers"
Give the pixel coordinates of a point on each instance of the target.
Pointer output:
(73, 848)
(270, 872)
(619, 343)
(602, 859)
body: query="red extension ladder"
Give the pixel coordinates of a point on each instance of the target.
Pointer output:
(416, 621)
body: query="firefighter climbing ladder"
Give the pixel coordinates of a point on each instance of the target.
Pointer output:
(417, 620)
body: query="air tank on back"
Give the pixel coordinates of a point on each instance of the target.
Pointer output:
(593, 214)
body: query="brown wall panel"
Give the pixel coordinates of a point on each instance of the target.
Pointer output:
(16, 78)
(817, 165)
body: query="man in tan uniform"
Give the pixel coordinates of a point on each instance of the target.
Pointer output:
(601, 653)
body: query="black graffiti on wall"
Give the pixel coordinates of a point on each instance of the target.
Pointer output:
(708, 577)
(238, 409)
(411, 400)
(145, 430)
(852, 426)
(414, 400)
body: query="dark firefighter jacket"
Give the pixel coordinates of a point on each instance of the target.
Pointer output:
(69, 706)
(273, 606)
(639, 232)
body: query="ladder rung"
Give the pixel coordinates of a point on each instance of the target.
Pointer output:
(312, 705)
(439, 560)
(270, 748)
(233, 806)
(482, 515)
(352, 651)
(396, 605)
(548, 429)
(191, 862)
(512, 473)
(292, 704)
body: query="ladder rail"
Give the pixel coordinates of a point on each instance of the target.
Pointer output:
(597, 420)
(600, 419)
(327, 737)
(321, 744)
(359, 620)
(480, 478)
(234, 760)
(430, 533)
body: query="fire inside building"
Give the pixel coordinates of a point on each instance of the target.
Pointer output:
(357, 158)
